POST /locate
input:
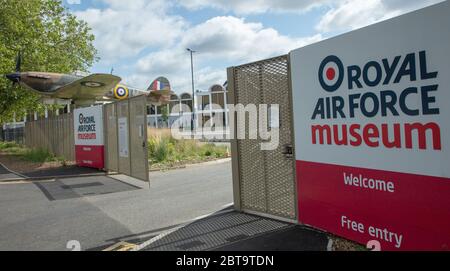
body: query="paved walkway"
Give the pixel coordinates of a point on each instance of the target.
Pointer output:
(49, 173)
(185, 209)
(6, 175)
(100, 211)
(62, 172)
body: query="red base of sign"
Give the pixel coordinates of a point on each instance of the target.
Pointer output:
(402, 211)
(90, 156)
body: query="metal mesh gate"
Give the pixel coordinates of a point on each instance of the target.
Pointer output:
(264, 180)
(126, 137)
(123, 116)
(138, 137)
(111, 144)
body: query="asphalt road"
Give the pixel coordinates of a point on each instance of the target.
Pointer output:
(99, 212)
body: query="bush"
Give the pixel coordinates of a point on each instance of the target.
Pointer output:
(164, 149)
(11, 148)
(7, 145)
(38, 156)
(160, 149)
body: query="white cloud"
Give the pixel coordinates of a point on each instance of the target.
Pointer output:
(234, 39)
(123, 29)
(163, 62)
(352, 14)
(255, 6)
(219, 42)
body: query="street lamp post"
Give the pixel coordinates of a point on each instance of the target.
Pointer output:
(193, 87)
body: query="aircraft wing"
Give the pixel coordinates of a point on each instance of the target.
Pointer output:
(94, 86)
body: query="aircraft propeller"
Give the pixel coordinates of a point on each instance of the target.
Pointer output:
(15, 77)
(19, 61)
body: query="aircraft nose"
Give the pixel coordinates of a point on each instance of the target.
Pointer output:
(14, 77)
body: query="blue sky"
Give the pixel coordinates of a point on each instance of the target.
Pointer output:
(144, 39)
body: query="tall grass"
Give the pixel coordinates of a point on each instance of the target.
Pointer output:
(7, 145)
(163, 148)
(159, 132)
(11, 148)
(38, 155)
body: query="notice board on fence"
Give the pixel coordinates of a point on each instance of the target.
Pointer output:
(371, 116)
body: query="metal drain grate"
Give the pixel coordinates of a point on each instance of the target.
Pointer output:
(215, 231)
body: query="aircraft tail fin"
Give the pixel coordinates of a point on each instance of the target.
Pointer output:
(160, 84)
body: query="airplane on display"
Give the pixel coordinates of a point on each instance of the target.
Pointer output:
(160, 91)
(85, 90)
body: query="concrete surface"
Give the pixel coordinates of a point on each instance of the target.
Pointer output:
(7, 175)
(62, 171)
(77, 209)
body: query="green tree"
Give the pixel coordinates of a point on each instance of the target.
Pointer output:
(50, 38)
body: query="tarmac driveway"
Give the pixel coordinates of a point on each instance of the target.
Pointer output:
(99, 211)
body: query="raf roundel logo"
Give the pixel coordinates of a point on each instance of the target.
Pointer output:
(331, 73)
(121, 92)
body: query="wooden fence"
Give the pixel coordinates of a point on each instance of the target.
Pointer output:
(54, 134)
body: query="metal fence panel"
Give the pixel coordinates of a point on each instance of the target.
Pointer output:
(267, 178)
(14, 135)
(111, 155)
(253, 186)
(280, 172)
(138, 137)
(123, 117)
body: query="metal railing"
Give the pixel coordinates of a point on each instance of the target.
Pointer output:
(13, 135)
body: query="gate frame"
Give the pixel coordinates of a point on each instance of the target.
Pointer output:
(145, 135)
(116, 104)
(106, 128)
(235, 161)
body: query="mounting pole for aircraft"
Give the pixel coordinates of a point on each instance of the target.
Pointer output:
(193, 87)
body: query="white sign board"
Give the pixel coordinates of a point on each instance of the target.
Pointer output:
(88, 126)
(89, 139)
(371, 116)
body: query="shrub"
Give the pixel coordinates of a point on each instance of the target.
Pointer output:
(160, 149)
(11, 148)
(38, 156)
(7, 145)
(164, 149)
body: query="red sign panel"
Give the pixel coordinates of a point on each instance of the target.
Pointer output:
(90, 156)
(402, 211)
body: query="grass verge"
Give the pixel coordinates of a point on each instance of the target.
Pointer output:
(38, 155)
(166, 151)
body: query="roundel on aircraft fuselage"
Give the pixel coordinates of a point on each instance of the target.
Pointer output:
(121, 92)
